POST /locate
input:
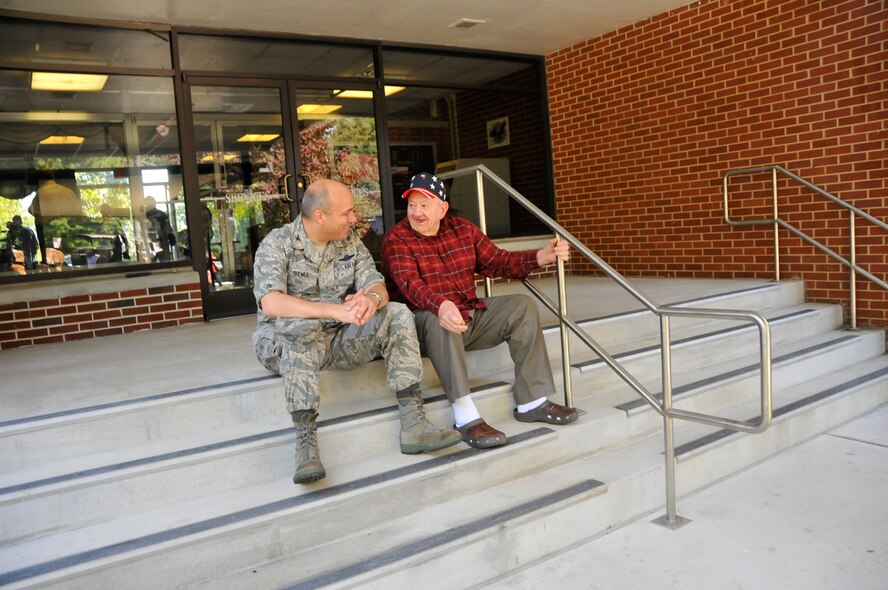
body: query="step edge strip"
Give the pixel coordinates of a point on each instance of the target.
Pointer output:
(693, 339)
(50, 417)
(411, 549)
(254, 512)
(855, 383)
(208, 448)
(688, 387)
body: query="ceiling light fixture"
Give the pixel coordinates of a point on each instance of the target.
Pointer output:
(389, 90)
(67, 82)
(317, 109)
(466, 23)
(62, 140)
(257, 137)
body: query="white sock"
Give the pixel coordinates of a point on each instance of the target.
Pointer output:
(464, 411)
(531, 405)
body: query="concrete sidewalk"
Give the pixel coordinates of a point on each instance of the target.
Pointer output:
(812, 518)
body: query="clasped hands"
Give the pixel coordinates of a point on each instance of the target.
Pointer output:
(358, 308)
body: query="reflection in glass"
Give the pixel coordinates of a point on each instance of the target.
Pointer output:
(433, 66)
(337, 140)
(444, 129)
(27, 42)
(241, 169)
(96, 176)
(210, 53)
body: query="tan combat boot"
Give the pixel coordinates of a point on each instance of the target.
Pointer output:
(418, 435)
(308, 458)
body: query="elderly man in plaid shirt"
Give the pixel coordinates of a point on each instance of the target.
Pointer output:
(430, 260)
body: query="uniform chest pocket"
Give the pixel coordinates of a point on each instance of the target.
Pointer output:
(302, 281)
(344, 271)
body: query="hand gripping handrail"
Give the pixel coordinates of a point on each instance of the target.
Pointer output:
(777, 222)
(663, 408)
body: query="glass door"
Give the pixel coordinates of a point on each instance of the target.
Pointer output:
(336, 137)
(257, 144)
(243, 183)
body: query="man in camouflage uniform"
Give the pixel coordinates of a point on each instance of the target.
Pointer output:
(321, 303)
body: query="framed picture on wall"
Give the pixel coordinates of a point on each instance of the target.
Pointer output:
(498, 133)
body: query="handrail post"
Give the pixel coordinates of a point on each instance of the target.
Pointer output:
(670, 519)
(482, 223)
(565, 335)
(776, 225)
(853, 278)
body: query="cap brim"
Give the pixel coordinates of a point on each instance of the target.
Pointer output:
(429, 194)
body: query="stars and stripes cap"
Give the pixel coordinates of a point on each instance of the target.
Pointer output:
(427, 184)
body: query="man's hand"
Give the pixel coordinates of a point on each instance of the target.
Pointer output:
(450, 318)
(554, 250)
(358, 308)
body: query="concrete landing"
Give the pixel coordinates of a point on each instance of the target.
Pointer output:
(811, 518)
(56, 377)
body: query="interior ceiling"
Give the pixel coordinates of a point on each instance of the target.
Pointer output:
(536, 27)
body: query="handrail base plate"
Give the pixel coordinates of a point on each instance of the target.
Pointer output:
(663, 521)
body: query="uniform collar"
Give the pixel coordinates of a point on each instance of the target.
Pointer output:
(308, 247)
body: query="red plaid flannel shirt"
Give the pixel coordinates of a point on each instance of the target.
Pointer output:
(424, 271)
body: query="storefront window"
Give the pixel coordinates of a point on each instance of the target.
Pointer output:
(458, 111)
(443, 129)
(26, 42)
(430, 66)
(245, 55)
(89, 179)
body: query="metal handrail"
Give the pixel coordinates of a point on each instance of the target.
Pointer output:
(777, 223)
(665, 408)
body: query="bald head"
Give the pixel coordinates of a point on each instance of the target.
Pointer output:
(317, 196)
(328, 210)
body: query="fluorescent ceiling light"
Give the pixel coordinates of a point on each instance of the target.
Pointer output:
(62, 139)
(224, 157)
(257, 137)
(389, 90)
(66, 82)
(317, 109)
(466, 23)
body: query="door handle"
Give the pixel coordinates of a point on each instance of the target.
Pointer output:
(287, 189)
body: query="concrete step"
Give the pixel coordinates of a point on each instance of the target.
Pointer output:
(701, 346)
(189, 500)
(461, 543)
(31, 441)
(111, 484)
(637, 328)
(579, 444)
(729, 383)
(257, 453)
(227, 524)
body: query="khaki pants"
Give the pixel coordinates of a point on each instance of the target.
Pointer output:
(513, 319)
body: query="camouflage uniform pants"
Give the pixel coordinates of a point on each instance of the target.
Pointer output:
(298, 354)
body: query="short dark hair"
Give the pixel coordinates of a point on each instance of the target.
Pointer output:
(316, 197)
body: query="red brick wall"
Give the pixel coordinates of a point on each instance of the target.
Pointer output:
(645, 120)
(103, 314)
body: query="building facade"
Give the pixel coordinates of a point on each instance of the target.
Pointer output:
(146, 198)
(647, 119)
(141, 165)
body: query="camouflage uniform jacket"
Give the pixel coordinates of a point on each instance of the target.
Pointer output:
(288, 261)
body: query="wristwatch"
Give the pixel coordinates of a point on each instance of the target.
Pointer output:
(378, 298)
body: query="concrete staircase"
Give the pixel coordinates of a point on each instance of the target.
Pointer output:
(190, 487)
